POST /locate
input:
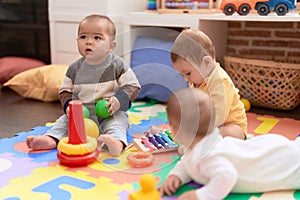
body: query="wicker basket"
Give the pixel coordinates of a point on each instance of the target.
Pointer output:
(266, 83)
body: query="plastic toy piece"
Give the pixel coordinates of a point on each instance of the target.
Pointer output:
(169, 134)
(151, 4)
(148, 190)
(77, 160)
(171, 137)
(76, 129)
(263, 7)
(91, 128)
(148, 144)
(186, 6)
(101, 109)
(140, 159)
(159, 139)
(77, 149)
(246, 103)
(171, 143)
(155, 143)
(86, 112)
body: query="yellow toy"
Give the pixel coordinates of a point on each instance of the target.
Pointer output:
(148, 190)
(246, 103)
(91, 128)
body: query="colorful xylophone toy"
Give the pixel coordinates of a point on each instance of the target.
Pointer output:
(156, 143)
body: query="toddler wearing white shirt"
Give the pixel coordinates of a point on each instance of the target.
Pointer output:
(224, 165)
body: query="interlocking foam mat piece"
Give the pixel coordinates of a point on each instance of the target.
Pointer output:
(26, 174)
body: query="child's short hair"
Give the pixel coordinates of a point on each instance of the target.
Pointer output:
(111, 28)
(191, 110)
(192, 45)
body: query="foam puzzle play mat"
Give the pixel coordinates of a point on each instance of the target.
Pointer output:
(38, 175)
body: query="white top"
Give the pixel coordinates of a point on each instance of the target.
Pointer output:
(263, 163)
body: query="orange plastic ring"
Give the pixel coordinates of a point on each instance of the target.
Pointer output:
(77, 149)
(140, 159)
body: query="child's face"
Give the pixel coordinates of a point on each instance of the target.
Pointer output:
(181, 130)
(189, 72)
(94, 42)
(181, 136)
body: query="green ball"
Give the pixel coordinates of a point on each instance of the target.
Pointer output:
(101, 109)
(86, 112)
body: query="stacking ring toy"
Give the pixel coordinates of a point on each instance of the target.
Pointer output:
(140, 159)
(79, 149)
(76, 160)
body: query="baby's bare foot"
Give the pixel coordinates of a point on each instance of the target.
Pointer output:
(40, 142)
(115, 147)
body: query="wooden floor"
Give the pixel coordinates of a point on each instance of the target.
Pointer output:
(294, 114)
(18, 114)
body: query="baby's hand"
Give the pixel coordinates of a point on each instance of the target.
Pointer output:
(190, 195)
(68, 111)
(170, 185)
(113, 104)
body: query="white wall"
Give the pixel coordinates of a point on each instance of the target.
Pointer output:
(64, 16)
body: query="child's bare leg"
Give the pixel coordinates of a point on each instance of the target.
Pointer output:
(41, 142)
(232, 130)
(115, 146)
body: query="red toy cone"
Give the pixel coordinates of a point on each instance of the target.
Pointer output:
(76, 130)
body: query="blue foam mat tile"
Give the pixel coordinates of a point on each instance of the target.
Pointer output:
(8, 145)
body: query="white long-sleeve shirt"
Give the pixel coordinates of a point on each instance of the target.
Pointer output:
(263, 163)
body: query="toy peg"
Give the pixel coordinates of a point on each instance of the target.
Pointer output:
(77, 148)
(148, 190)
(76, 127)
